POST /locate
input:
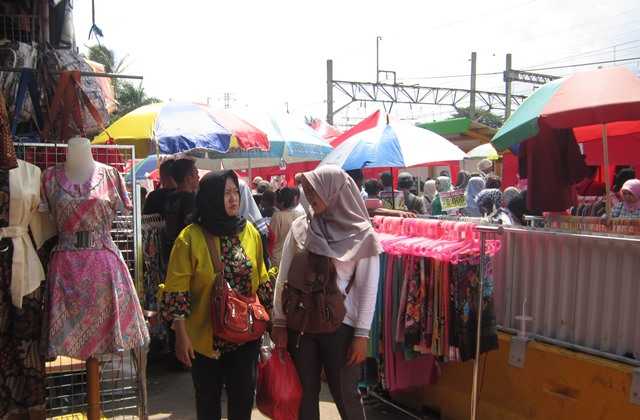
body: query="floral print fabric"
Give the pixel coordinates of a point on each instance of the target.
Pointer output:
(237, 273)
(94, 307)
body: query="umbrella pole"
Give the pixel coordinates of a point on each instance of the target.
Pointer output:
(249, 171)
(605, 146)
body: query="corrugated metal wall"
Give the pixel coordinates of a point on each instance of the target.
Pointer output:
(582, 290)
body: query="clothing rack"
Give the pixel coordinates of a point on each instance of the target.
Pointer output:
(484, 230)
(82, 73)
(407, 228)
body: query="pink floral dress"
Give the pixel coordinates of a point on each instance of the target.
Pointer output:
(94, 308)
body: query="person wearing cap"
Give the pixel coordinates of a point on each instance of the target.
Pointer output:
(412, 202)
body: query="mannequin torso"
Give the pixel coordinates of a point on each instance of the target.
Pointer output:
(79, 165)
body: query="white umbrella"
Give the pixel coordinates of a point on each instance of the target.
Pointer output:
(484, 151)
(393, 144)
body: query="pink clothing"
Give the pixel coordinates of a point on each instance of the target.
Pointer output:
(400, 373)
(94, 308)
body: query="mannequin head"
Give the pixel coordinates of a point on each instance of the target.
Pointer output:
(79, 163)
(79, 150)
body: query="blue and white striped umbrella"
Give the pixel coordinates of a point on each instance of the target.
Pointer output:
(291, 141)
(393, 145)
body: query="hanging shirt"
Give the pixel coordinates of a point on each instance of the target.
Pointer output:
(552, 163)
(26, 272)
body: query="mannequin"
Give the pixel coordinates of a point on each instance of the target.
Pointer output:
(80, 164)
(86, 318)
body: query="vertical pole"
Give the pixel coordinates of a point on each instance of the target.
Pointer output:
(472, 106)
(378, 38)
(249, 171)
(507, 80)
(607, 181)
(330, 92)
(476, 362)
(44, 22)
(93, 389)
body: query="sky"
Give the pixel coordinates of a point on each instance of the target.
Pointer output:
(271, 55)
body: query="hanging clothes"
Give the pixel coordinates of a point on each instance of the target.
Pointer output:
(22, 342)
(94, 305)
(426, 311)
(401, 373)
(552, 163)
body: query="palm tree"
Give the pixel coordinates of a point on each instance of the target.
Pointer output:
(128, 96)
(131, 97)
(106, 57)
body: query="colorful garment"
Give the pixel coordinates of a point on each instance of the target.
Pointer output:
(464, 310)
(22, 362)
(189, 284)
(94, 307)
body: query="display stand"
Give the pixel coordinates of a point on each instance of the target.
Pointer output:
(93, 389)
(105, 385)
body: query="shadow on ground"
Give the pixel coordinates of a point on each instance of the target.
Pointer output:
(171, 397)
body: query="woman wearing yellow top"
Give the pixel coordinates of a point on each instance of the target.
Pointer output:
(187, 297)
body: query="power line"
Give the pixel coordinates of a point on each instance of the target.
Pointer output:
(495, 73)
(592, 52)
(620, 60)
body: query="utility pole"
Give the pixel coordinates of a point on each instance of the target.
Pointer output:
(507, 108)
(472, 98)
(378, 39)
(227, 100)
(330, 92)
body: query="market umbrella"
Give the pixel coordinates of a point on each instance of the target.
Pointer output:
(583, 102)
(143, 167)
(587, 102)
(392, 145)
(176, 127)
(326, 130)
(291, 140)
(484, 151)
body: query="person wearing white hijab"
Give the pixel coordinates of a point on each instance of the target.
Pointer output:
(250, 211)
(485, 167)
(339, 229)
(430, 191)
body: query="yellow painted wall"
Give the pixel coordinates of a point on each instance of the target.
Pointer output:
(555, 384)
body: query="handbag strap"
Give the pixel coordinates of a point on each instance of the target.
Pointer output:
(217, 263)
(351, 281)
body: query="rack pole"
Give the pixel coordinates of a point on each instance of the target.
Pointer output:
(93, 389)
(476, 362)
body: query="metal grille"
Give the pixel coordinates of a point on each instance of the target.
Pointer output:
(122, 383)
(120, 387)
(582, 290)
(21, 28)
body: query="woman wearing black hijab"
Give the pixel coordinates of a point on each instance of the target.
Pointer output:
(187, 296)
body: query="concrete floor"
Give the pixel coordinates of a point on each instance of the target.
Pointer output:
(171, 397)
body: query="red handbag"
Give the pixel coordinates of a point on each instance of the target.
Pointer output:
(236, 318)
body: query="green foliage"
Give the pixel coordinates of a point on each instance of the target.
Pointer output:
(128, 96)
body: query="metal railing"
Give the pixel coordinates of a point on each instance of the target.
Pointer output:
(582, 290)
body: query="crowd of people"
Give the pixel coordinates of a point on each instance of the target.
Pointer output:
(486, 198)
(261, 239)
(482, 190)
